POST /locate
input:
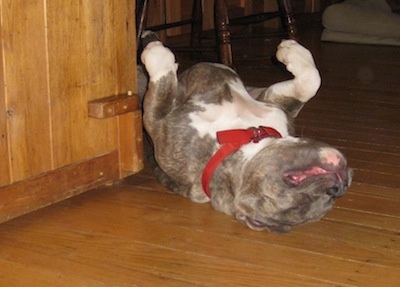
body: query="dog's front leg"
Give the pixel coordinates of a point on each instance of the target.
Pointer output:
(163, 84)
(293, 94)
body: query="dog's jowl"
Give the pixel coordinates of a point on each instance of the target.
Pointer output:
(219, 141)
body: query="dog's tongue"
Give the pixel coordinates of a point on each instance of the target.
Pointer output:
(297, 177)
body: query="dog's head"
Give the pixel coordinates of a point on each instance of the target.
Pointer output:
(290, 182)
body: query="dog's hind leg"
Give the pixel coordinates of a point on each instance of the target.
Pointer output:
(291, 95)
(163, 84)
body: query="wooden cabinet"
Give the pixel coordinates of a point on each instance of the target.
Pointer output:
(56, 56)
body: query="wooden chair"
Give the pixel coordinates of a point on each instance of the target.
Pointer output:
(195, 21)
(222, 24)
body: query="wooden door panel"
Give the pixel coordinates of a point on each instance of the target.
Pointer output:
(56, 57)
(82, 68)
(4, 154)
(26, 89)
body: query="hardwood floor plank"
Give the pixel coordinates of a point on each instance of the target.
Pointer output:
(372, 204)
(376, 178)
(365, 218)
(356, 96)
(345, 131)
(375, 190)
(66, 256)
(158, 259)
(33, 275)
(385, 152)
(187, 233)
(387, 144)
(351, 110)
(152, 200)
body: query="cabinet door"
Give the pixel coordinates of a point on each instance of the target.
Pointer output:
(55, 58)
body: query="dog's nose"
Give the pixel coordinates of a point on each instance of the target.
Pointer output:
(339, 189)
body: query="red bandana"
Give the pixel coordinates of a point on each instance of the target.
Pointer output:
(231, 141)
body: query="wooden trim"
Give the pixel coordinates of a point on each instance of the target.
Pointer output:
(130, 143)
(113, 106)
(29, 195)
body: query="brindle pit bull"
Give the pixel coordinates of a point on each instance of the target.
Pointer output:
(216, 140)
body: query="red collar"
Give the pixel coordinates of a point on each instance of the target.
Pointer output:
(231, 141)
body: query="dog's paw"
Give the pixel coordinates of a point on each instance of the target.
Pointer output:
(148, 37)
(295, 57)
(300, 62)
(158, 60)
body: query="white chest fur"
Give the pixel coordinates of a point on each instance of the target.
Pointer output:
(240, 113)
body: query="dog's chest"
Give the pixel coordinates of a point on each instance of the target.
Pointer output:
(230, 115)
(239, 112)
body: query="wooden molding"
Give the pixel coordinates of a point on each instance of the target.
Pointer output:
(126, 107)
(113, 106)
(31, 194)
(130, 143)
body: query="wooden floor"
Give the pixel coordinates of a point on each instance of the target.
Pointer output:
(135, 233)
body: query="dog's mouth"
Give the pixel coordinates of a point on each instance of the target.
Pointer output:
(296, 177)
(330, 172)
(337, 179)
(256, 224)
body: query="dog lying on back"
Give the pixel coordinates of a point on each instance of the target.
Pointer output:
(216, 140)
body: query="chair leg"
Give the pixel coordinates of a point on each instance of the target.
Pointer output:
(141, 12)
(289, 21)
(221, 23)
(197, 24)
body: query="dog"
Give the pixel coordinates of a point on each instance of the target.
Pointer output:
(217, 141)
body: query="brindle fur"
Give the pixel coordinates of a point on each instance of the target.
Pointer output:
(255, 191)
